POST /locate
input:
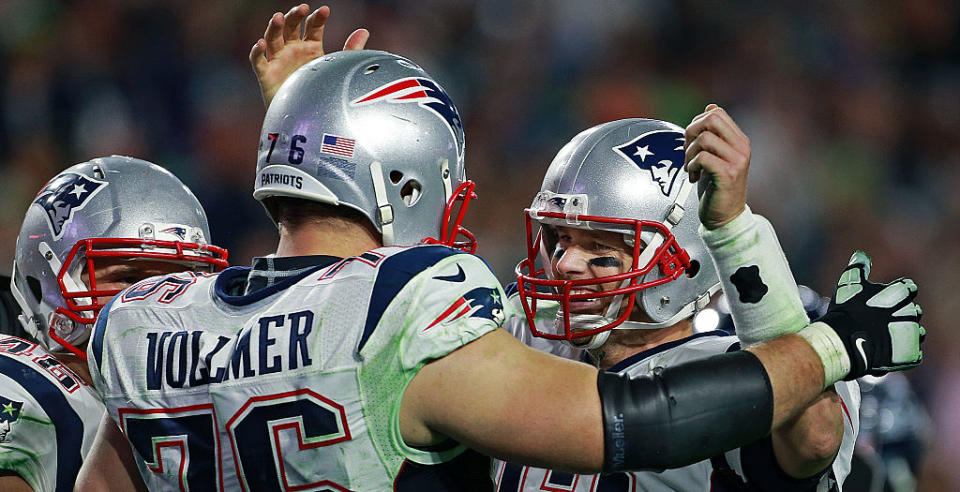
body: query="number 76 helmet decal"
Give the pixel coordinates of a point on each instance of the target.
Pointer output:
(627, 177)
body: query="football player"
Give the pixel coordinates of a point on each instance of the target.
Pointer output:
(626, 270)
(94, 229)
(368, 349)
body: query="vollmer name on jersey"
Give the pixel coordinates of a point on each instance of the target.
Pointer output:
(188, 358)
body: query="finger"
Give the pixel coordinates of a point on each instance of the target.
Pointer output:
(357, 40)
(710, 142)
(697, 125)
(852, 278)
(258, 60)
(906, 336)
(733, 123)
(313, 28)
(923, 336)
(274, 35)
(702, 162)
(860, 258)
(291, 22)
(710, 107)
(911, 310)
(716, 121)
(894, 294)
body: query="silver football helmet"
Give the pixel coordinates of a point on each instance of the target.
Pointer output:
(624, 176)
(371, 131)
(109, 207)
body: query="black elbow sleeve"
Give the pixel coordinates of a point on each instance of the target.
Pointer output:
(683, 414)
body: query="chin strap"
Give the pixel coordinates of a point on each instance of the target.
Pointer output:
(447, 184)
(674, 216)
(384, 209)
(59, 326)
(586, 322)
(56, 325)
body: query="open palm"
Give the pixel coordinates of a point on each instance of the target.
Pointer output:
(283, 49)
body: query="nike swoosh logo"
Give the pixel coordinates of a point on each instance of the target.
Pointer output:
(459, 277)
(859, 344)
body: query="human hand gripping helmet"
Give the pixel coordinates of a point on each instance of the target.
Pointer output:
(109, 207)
(624, 176)
(371, 131)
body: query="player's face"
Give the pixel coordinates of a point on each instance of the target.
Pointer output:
(583, 254)
(120, 273)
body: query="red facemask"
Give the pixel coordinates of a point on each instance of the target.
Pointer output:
(192, 255)
(452, 230)
(670, 259)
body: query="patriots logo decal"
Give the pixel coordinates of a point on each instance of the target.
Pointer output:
(427, 94)
(481, 302)
(64, 195)
(660, 152)
(9, 414)
(180, 232)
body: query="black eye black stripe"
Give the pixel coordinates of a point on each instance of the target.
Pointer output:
(605, 261)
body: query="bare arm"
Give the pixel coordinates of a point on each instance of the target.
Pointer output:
(110, 464)
(809, 442)
(509, 401)
(807, 438)
(719, 151)
(11, 482)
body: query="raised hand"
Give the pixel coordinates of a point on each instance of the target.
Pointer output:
(879, 324)
(718, 155)
(283, 49)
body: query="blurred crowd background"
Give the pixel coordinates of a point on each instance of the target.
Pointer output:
(853, 110)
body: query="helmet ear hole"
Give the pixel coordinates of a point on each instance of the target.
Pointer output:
(693, 269)
(371, 69)
(410, 193)
(34, 284)
(395, 176)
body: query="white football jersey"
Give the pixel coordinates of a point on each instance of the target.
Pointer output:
(48, 416)
(720, 473)
(296, 386)
(517, 323)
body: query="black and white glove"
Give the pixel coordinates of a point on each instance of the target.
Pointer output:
(878, 324)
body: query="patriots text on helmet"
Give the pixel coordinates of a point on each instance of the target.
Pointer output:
(281, 179)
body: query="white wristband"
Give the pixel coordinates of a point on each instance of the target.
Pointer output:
(827, 344)
(756, 278)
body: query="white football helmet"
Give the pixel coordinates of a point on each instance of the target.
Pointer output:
(371, 131)
(109, 207)
(624, 176)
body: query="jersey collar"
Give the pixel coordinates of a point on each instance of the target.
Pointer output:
(268, 276)
(268, 270)
(633, 359)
